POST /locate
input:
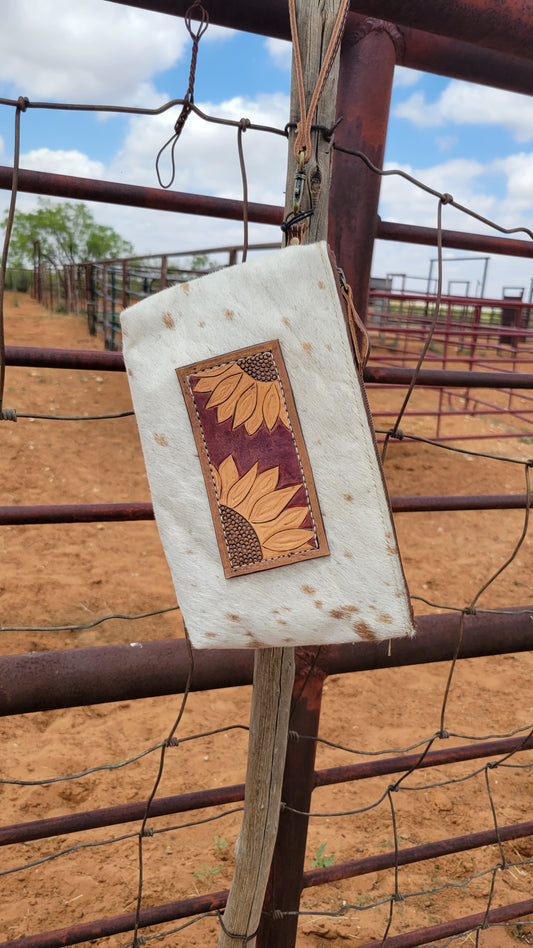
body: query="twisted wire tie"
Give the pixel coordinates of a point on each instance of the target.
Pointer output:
(244, 939)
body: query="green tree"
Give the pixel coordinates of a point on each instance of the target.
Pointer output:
(67, 233)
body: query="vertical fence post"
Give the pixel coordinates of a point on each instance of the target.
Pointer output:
(242, 917)
(163, 281)
(368, 57)
(90, 302)
(285, 883)
(36, 270)
(104, 306)
(66, 283)
(125, 291)
(113, 313)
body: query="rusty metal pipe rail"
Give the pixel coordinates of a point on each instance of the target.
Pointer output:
(220, 796)
(35, 357)
(114, 192)
(133, 195)
(106, 513)
(458, 926)
(500, 25)
(42, 681)
(405, 857)
(185, 908)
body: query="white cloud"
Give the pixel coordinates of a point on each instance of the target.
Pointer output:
(403, 76)
(206, 163)
(62, 162)
(280, 52)
(405, 202)
(86, 50)
(416, 110)
(472, 184)
(463, 103)
(519, 172)
(206, 154)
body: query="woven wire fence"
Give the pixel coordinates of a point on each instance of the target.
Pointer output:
(374, 863)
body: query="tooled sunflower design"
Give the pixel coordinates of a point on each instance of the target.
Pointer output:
(257, 523)
(247, 390)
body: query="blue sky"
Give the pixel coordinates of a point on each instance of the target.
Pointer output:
(472, 141)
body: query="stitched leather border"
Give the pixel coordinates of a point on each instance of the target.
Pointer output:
(256, 469)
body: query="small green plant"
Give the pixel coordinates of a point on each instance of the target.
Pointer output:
(321, 861)
(206, 871)
(221, 843)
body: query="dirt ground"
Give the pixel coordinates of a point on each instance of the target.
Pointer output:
(72, 574)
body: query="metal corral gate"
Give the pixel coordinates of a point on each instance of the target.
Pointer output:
(370, 51)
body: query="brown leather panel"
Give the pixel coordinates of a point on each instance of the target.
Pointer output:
(255, 464)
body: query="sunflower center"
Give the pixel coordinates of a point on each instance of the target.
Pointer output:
(241, 539)
(260, 367)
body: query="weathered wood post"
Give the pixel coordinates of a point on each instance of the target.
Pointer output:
(274, 668)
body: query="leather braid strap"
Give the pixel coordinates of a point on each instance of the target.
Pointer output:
(303, 137)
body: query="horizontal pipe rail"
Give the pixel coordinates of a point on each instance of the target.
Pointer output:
(477, 23)
(133, 195)
(458, 926)
(118, 924)
(405, 857)
(220, 796)
(503, 25)
(415, 234)
(114, 362)
(113, 192)
(105, 513)
(173, 911)
(41, 681)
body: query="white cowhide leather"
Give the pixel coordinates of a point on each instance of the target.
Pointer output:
(359, 591)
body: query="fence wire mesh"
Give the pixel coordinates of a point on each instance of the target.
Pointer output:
(412, 882)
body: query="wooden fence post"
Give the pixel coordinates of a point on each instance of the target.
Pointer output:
(274, 668)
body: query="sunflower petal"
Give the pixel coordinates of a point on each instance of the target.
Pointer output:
(245, 406)
(272, 504)
(226, 409)
(224, 389)
(254, 422)
(271, 405)
(209, 378)
(269, 554)
(289, 541)
(287, 520)
(264, 484)
(242, 487)
(228, 476)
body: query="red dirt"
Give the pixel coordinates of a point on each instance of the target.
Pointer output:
(57, 575)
